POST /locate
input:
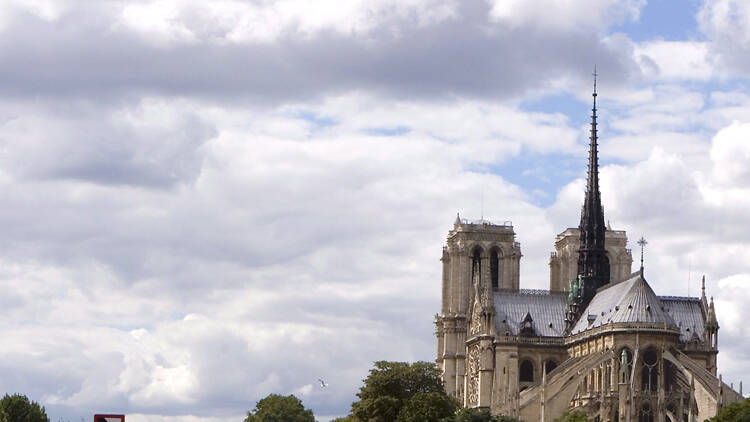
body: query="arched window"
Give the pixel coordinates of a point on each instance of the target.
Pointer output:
(549, 366)
(476, 261)
(495, 269)
(645, 414)
(526, 371)
(626, 363)
(649, 373)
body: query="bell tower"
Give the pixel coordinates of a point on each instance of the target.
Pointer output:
(478, 253)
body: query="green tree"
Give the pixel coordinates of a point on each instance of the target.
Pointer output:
(349, 418)
(428, 407)
(390, 385)
(277, 408)
(574, 416)
(476, 415)
(735, 412)
(18, 408)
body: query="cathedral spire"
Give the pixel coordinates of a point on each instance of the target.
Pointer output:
(593, 265)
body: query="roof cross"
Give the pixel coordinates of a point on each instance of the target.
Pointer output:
(642, 243)
(595, 75)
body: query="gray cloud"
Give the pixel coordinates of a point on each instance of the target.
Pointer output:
(85, 53)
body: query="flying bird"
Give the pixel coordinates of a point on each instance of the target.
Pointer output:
(322, 383)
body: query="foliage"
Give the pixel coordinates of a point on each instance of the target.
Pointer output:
(349, 418)
(18, 408)
(390, 385)
(735, 412)
(575, 416)
(428, 407)
(277, 408)
(476, 415)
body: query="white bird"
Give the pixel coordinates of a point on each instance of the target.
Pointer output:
(322, 383)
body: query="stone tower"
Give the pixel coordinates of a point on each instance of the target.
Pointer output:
(491, 252)
(563, 262)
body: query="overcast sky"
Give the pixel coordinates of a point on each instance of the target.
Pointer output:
(206, 202)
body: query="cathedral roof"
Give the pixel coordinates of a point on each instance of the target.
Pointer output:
(546, 310)
(629, 301)
(686, 312)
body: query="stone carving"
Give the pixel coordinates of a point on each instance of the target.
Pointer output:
(472, 394)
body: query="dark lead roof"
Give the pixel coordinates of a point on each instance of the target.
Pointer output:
(628, 301)
(686, 312)
(631, 300)
(544, 307)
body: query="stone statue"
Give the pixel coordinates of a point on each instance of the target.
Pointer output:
(575, 288)
(624, 364)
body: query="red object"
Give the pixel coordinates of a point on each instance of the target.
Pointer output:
(109, 418)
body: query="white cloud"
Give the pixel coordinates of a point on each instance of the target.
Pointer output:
(572, 14)
(726, 23)
(675, 60)
(730, 153)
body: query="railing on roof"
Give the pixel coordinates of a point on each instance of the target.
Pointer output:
(622, 326)
(483, 222)
(530, 340)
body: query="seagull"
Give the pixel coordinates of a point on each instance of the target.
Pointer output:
(322, 383)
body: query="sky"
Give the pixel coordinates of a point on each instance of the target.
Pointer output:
(207, 202)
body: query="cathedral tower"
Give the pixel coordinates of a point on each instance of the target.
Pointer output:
(478, 255)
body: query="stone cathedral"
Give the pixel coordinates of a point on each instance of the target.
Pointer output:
(600, 340)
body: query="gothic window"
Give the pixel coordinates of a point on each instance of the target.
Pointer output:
(645, 414)
(476, 261)
(649, 373)
(526, 371)
(626, 363)
(494, 268)
(549, 366)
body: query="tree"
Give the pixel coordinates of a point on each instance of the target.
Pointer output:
(735, 412)
(18, 408)
(428, 407)
(476, 415)
(277, 408)
(349, 418)
(390, 385)
(575, 416)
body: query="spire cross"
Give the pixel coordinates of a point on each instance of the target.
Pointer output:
(642, 243)
(595, 75)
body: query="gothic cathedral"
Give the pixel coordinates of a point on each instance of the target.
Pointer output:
(598, 341)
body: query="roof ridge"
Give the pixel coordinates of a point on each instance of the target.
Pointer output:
(685, 298)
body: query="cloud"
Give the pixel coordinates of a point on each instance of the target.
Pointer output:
(416, 49)
(288, 236)
(730, 154)
(726, 23)
(151, 143)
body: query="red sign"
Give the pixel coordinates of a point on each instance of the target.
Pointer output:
(109, 418)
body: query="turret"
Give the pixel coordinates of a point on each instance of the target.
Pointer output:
(712, 325)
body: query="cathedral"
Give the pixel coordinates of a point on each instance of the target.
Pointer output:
(599, 341)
